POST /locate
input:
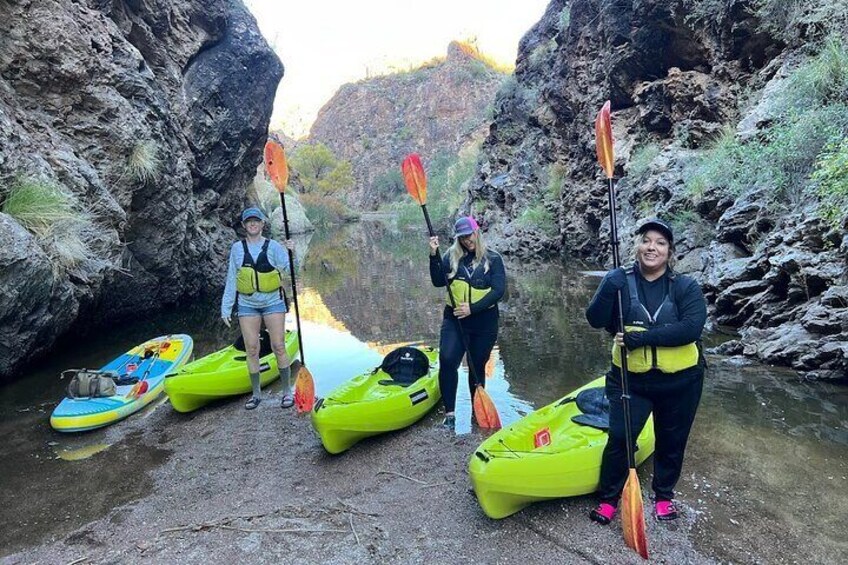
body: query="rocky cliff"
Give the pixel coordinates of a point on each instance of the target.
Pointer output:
(146, 120)
(680, 74)
(436, 109)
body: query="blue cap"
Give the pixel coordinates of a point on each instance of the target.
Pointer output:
(465, 225)
(253, 213)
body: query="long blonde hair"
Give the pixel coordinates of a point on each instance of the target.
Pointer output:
(456, 251)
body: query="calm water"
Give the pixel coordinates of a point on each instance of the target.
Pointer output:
(771, 439)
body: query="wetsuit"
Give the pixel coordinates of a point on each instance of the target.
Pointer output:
(481, 327)
(677, 306)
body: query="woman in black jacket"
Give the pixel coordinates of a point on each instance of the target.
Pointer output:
(664, 315)
(477, 282)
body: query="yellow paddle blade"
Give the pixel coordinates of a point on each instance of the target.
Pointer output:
(603, 140)
(275, 164)
(304, 390)
(485, 411)
(414, 177)
(633, 516)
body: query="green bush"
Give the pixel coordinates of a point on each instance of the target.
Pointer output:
(642, 158)
(320, 170)
(812, 116)
(144, 163)
(37, 205)
(831, 176)
(538, 218)
(556, 180)
(323, 210)
(53, 216)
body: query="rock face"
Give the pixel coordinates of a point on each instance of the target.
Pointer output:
(675, 77)
(152, 115)
(375, 123)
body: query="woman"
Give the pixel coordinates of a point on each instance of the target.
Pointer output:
(255, 290)
(477, 282)
(664, 315)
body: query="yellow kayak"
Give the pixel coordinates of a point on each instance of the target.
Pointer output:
(373, 403)
(143, 367)
(543, 456)
(220, 375)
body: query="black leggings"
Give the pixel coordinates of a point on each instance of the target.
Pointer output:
(674, 400)
(451, 351)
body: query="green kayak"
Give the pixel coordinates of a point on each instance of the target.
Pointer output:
(374, 403)
(543, 456)
(221, 374)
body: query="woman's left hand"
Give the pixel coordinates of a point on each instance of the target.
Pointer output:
(462, 310)
(619, 339)
(289, 244)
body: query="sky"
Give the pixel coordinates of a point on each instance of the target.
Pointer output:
(326, 43)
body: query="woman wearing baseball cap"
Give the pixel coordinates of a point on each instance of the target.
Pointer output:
(477, 281)
(664, 315)
(254, 290)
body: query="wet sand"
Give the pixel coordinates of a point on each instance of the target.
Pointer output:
(257, 487)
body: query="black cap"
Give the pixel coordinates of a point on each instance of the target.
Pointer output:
(657, 225)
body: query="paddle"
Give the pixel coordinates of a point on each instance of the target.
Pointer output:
(275, 164)
(416, 184)
(141, 386)
(632, 513)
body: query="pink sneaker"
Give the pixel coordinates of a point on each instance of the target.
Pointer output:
(603, 514)
(665, 510)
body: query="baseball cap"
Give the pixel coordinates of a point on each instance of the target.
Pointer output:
(465, 225)
(253, 213)
(657, 225)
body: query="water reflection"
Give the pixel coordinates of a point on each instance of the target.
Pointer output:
(363, 290)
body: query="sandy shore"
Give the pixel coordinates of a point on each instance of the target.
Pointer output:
(257, 487)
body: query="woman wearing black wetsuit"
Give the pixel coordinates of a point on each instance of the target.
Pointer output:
(477, 282)
(664, 315)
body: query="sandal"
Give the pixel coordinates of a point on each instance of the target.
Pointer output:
(252, 403)
(287, 401)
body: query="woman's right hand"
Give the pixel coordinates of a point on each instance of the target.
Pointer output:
(226, 320)
(434, 245)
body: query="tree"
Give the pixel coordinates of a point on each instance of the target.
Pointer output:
(320, 170)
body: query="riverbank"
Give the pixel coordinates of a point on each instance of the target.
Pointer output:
(258, 487)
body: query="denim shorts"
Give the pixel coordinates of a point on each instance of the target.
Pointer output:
(245, 311)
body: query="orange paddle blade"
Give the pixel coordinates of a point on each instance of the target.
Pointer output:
(603, 139)
(304, 390)
(414, 177)
(633, 516)
(485, 411)
(275, 164)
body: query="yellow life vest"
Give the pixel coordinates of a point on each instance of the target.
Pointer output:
(260, 276)
(666, 359)
(462, 291)
(638, 319)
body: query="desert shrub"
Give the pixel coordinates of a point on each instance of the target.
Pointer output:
(53, 216)
(831, 177)
(538, 218)
(642, 158)
(323, 210)
(811, 118)
(320, 170)
(143, 163)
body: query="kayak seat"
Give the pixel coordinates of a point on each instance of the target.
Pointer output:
(594, 405)
(264, 345)
(404, 365)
